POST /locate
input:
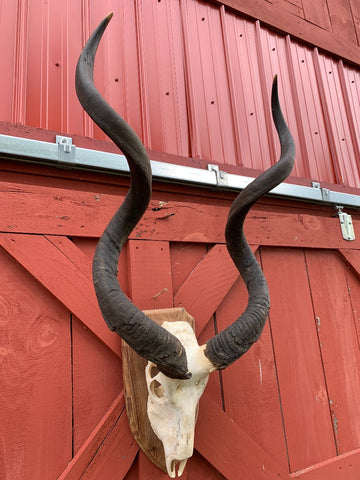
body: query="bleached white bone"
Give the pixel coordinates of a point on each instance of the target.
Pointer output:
(172, 404)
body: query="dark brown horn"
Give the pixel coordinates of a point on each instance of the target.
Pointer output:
(146, 337)
(228, 345)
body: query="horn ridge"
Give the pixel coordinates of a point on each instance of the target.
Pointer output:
(146, 337)
(231, 343)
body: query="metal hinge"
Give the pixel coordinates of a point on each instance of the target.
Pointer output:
(66, 149)
(221, 177)
(347, 227)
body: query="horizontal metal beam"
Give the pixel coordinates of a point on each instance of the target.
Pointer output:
(63, 153)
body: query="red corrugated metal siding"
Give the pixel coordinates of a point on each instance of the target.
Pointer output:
(193, 79)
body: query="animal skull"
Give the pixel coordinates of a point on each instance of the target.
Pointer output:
(172, 350)
(172, 404)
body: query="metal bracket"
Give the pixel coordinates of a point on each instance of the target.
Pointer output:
(221, 177)
(66, 149)
(347, 227)
(325, 192)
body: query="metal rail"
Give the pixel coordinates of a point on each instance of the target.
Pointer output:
(64, 153)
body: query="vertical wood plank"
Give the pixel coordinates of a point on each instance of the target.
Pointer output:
(317, 13)
(352, 257)
(184, 258)
(342, 22)
(150, 285)
(304, 398)
(253, 399)
(133, 473)
(97, 380)
(213, 387)
(199, 469)
(35, 378)
(355, 10)
(339, 344)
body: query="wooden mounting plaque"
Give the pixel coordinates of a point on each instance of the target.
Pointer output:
(136, 393)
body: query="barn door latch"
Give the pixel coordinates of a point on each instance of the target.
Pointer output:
(346, 223)
(66, 149)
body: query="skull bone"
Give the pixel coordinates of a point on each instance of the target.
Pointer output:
(172, 404)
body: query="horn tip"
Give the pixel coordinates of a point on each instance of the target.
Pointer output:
(275, 82)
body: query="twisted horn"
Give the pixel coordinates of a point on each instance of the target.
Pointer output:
(228, 345)
(143, 335)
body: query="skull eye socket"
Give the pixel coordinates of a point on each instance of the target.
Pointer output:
(157, 389)
(153, 371)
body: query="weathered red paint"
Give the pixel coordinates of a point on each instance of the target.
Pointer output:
(291, 375)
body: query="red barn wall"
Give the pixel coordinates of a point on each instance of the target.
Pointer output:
(193, 78)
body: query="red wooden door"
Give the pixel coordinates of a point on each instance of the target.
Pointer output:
(287, 409)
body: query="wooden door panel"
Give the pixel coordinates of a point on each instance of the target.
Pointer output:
(252, 400)
(35, 378)
(65, 273)
(339, 344)
(284, 374)
(302, 385)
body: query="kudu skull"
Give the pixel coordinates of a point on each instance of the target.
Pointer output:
(178, 367)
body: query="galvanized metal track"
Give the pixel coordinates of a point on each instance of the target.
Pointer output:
(64, 154)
